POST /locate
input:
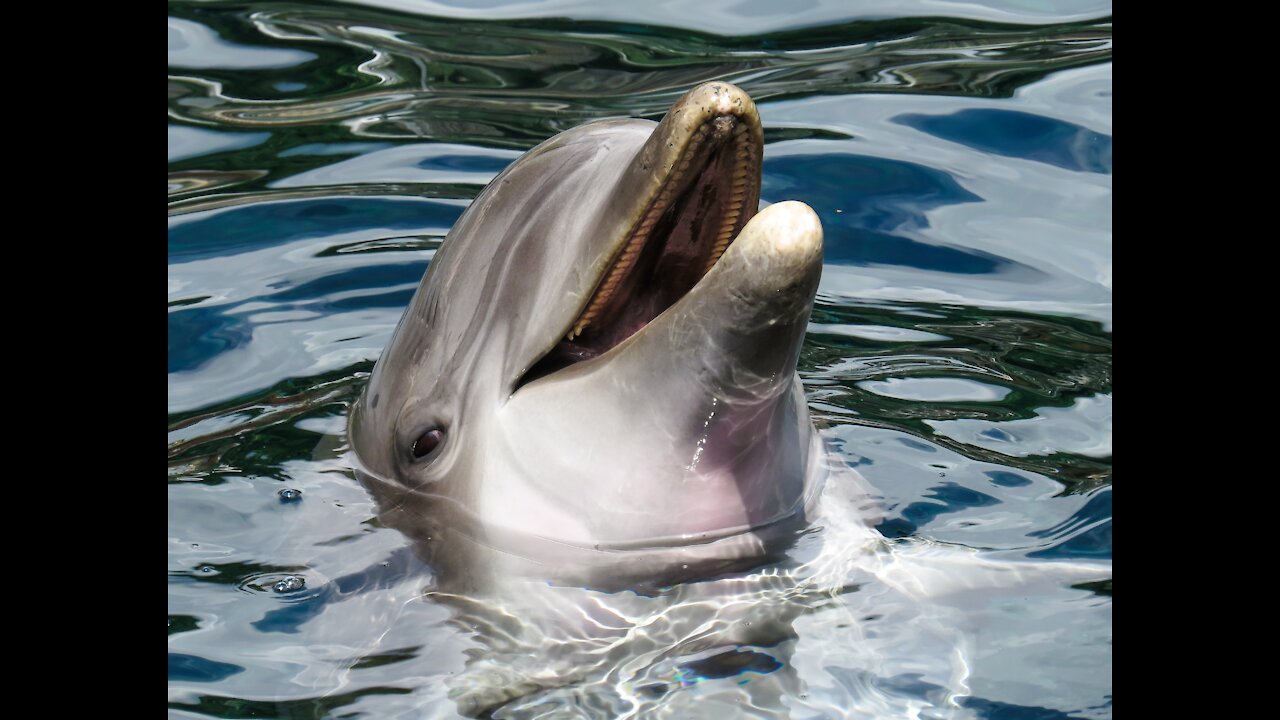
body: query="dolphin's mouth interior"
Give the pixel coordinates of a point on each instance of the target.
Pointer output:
(710, 194)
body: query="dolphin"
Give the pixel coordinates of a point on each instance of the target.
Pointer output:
(597, 375)
(589, 424)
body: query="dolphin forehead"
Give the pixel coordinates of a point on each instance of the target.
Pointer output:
(512, 269)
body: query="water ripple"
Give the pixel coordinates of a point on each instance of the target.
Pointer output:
(959, 155)
(526, 81)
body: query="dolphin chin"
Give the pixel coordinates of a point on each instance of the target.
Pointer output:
(595, 382)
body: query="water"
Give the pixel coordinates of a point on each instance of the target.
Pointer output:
(959, 355)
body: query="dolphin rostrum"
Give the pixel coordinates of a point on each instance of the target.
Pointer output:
(597, 376)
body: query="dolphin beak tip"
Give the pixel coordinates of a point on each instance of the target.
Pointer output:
(717, 99)
(800, 229)
(725, 103)
(789, 233)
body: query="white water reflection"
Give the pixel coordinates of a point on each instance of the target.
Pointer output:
(194, 46)
(935, 389)
(1083, 429)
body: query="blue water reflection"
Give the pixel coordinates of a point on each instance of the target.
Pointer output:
(264, 224)
(1085, 534)
(193, 668)
(869, 206)
(1020, 135)
(347, 281)
(198, 334)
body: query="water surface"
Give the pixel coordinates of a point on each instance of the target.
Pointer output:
(959, 355)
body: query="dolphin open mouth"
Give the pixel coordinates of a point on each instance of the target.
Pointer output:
(711, 189)
(700, 209)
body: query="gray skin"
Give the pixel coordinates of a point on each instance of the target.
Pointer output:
(684, 451)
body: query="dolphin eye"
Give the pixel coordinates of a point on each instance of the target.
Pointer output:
(427, 442)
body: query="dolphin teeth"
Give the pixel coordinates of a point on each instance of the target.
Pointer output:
(714, 258)
(731, 170)
(620, 266)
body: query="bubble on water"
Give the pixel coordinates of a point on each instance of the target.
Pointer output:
(293, 583)
(289, 495)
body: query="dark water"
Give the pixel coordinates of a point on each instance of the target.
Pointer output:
(959, 355)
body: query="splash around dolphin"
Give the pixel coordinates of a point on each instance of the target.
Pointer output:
(595, 383)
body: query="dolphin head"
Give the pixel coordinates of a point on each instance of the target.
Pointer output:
(595, 381)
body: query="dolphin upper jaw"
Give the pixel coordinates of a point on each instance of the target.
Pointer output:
(679, 203)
